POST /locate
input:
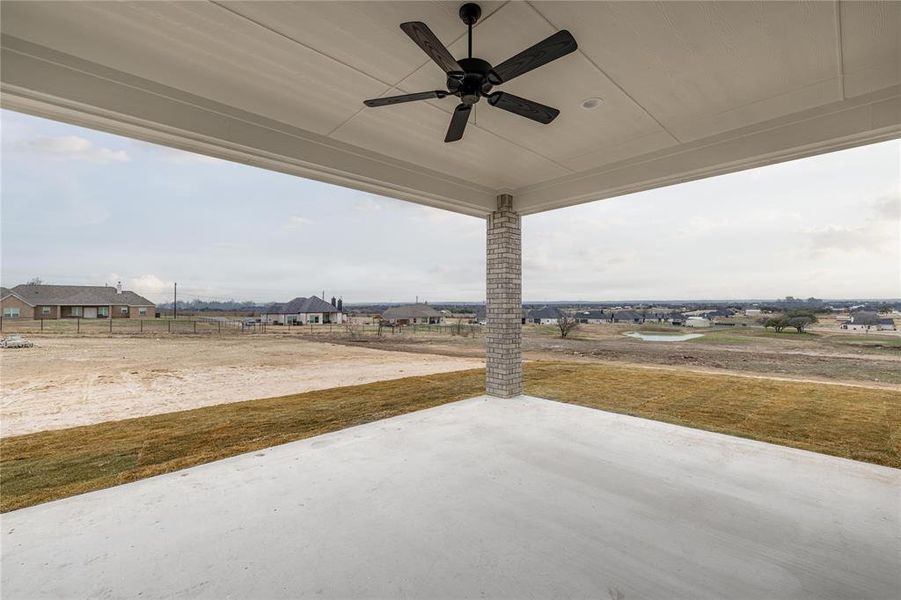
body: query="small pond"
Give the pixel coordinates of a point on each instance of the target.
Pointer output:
(664, 337)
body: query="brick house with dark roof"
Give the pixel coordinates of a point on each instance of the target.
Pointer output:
(412, 314)
(867, 320)
(29, 301)
(302, 311)
(546, 315)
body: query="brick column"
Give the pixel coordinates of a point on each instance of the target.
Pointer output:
(504, 306)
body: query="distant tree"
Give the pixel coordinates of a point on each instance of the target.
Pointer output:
(885, 307)
(797, 319)
(334, 302)
(801, 322)
(800, 319)
(777, 323)
(340, 305)
(35, 281)
(566, 324)
(353, 328)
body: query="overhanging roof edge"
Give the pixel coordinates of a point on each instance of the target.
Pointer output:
(42, 82)
(867, 119)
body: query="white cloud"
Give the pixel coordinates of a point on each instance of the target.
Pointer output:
(296, 222)
(879, 233)
(72, 147)
(368, 204)
(148, 285)
(888, 207)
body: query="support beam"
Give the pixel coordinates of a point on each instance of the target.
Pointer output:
(504, 307)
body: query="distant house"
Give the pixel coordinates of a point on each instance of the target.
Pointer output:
(719, 313)
(698, 322)
(546, 315)
(626, 316)
(866, 321)
(887, 325)
(674, 318)
(412, 314)
(302, 311)
(74, 301)
(592, 316)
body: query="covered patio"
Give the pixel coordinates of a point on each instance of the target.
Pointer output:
(488, 497)
(507, 497)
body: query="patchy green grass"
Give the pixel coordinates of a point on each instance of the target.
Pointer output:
(874, 340)
(748, 335)
(858, 423)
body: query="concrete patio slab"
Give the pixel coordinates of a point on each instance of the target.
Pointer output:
(481, 498)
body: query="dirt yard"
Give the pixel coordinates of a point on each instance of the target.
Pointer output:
(64, 382)
(826, 356)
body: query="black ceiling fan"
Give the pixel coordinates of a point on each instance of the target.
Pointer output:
(473, 78)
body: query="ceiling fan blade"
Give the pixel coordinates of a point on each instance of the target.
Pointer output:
(405, 98)
(525, 108)
(551, 48)
(458, 123)
(420, 33)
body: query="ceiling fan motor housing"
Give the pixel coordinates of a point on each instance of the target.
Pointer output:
(474, 83)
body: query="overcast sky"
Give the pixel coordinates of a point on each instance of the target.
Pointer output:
(83, 207)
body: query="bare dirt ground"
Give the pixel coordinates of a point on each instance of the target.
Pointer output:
(824, 356)
(68, 381)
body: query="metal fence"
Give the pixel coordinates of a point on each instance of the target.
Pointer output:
(220, 326)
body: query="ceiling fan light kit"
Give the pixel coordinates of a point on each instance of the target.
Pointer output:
(472, 79)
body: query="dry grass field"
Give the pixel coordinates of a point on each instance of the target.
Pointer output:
(828, 355)
(83, 413)
(853, 422)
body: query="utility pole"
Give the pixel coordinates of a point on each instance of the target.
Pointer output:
(175, 302)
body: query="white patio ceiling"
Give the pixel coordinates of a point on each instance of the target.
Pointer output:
(688, 89)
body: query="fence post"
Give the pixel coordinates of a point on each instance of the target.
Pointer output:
(220, 327)
(142, 325)
(195, 326)
(1, 322)
(110, 323)
(77, 324)
(169, 326)
(42, 323)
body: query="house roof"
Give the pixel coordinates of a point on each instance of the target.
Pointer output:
(865, 317)
(410, 311)
(76, 295)
(626, 315)
(301, 305)
(546, 312)
(592, 314)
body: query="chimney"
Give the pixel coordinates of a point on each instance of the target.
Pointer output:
(119, 288)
